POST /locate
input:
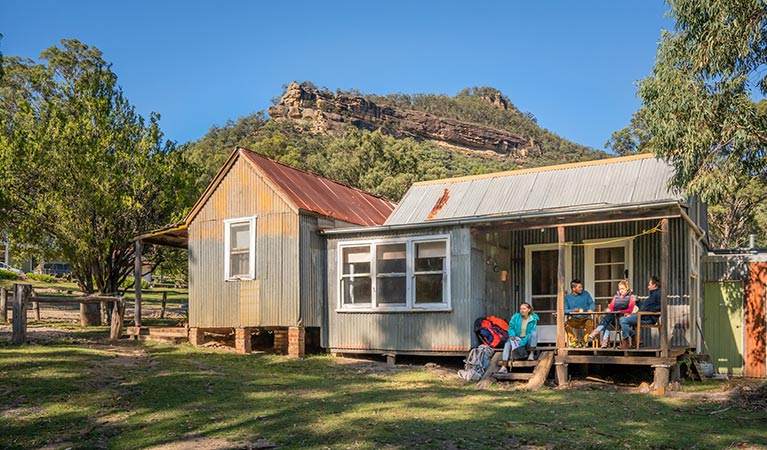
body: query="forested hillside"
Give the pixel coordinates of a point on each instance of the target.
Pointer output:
(387, 160)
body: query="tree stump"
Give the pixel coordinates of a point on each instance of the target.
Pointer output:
(90, 314)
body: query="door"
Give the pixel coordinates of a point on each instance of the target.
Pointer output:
(541, 286)
(722, 325)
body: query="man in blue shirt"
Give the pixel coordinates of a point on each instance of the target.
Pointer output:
(578, 301)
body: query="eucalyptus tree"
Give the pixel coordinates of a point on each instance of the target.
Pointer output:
(79, 166)
(699, 102)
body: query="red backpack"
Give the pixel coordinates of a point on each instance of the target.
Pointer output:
(492, 331)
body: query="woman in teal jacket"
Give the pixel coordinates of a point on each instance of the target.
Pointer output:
(523, 337)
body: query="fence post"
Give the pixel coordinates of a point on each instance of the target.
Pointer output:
(118, 314)
(36, 308)
(20, 295)
(164, 301)
(4, 305)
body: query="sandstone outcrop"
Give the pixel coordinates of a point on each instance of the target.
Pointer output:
(325, 112)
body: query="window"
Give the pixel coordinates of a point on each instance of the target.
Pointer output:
(356, 287)
(402, 274)
(240, 243)
(606, 264)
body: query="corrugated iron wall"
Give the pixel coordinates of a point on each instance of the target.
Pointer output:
(272, 299)
(313, 272)
(646, 262)
(447, 331)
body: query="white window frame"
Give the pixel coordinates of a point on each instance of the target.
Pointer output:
(529, 249)
(251, 221)
(409, 304)
(592, 245)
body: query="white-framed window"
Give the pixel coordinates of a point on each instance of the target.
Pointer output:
(240, 248)
(394, 274)
(606, 263)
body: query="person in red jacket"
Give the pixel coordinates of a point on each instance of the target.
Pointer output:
(622, 303)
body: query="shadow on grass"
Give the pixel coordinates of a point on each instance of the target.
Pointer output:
(170, 393)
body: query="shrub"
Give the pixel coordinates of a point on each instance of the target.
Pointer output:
(130, 281)
(45, 278)
(8, 275)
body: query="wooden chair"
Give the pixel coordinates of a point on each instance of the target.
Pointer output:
(641, 325)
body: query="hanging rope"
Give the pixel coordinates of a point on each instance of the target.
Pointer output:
(655, 229)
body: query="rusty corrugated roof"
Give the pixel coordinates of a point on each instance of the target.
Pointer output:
(321, 195)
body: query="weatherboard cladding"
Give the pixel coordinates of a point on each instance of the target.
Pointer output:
(619, 181)
(322, 196)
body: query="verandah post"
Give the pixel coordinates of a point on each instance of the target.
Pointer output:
(137, 283)
(561, 289)
(664, 276)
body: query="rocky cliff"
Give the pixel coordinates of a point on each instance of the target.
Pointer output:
(325, 112)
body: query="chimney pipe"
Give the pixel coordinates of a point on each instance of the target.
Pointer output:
(751, 241)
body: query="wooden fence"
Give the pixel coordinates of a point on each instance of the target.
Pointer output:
(22, 296)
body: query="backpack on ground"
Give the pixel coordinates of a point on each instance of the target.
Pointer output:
(476, 363)
(492, 331)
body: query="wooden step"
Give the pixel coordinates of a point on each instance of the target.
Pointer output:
(513, 376)
(159, 331)
(172, 340)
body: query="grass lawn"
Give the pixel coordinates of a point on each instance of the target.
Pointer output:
(76, 390)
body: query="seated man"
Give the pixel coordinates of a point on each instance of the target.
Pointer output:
(651, 304)
(578, 301)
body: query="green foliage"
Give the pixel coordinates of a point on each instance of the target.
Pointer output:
(698, 101)
(80, 170)
(8, 275)
(699, 112)
(129, 283)
(45, 278)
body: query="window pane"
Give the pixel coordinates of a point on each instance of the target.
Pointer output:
(428, 288)
(356, 260)
(391, 258)
(609, 255)
(544, 265)
(239, 236)
(391, 290)
(430, 256)
(356, 290)
(544, 303)
(239, 264)
(546, 318)
(604, 288)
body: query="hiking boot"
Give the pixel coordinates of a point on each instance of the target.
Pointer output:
(625, 344)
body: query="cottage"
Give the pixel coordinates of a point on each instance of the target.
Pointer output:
(457, 249)
(256, 258)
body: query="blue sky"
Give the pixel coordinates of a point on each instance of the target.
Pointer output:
(574, 65)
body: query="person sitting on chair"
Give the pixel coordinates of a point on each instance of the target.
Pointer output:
(652, 304)
(623, 303)
(578, 301)
(523, 338)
